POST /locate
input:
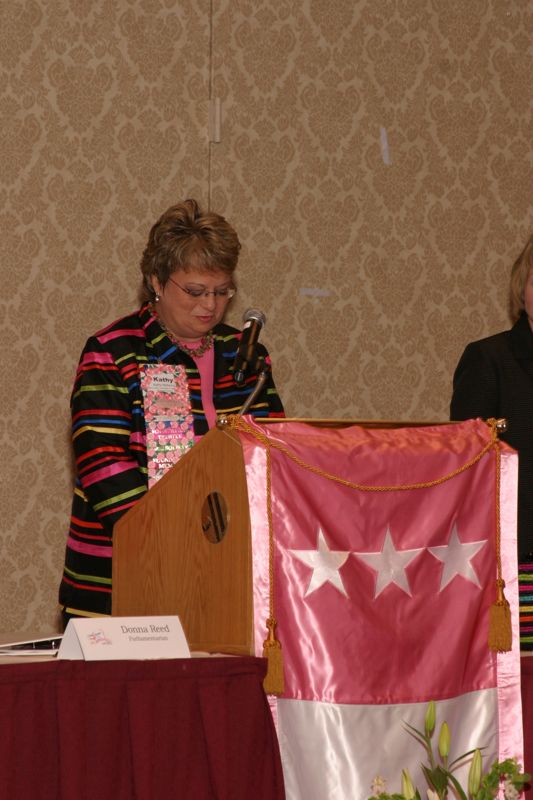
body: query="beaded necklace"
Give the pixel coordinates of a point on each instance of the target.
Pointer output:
(206, 342)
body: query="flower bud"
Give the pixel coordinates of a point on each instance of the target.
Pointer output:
(430, 718)
(444, 740)
(474, 774)
(408, 789)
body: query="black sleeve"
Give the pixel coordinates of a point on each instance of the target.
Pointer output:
(475, 386)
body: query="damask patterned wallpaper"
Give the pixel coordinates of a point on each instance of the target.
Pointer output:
(375, 157)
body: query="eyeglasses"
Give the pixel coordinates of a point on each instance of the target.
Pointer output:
(218, 294)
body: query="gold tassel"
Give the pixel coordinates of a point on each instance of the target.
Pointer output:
(500, 633)
(500, 630)
(274, 682)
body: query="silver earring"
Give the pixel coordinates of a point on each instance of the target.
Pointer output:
(157, 298)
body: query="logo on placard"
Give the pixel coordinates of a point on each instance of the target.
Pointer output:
(98, 637)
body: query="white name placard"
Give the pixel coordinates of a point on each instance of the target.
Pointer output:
(114, 638)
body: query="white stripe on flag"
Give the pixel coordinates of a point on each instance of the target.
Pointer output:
(335, 751)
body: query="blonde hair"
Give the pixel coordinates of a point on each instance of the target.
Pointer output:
(519, 275)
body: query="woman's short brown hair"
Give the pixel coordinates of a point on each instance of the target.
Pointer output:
(185, 237)
(519, 275)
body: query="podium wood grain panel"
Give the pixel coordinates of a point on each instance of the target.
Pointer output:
(164, 564)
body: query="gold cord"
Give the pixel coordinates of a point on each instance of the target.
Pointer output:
(240, 424)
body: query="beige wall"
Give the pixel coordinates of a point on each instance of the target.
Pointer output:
(375, 158)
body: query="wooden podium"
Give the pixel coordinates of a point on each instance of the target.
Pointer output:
(163, 562)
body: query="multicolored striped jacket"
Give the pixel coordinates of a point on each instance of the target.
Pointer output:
(109, 439)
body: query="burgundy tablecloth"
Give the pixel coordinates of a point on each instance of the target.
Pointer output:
(526, 663)
(137, 730)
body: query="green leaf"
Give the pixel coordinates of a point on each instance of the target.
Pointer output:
(422, 739)
(455, 763)
(437, 778)
(417, 734)
(457, 786)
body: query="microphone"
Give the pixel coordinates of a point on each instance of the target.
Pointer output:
(246, 354)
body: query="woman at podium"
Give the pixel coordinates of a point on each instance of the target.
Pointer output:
(150, 384)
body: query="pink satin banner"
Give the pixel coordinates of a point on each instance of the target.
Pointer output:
(382, 596)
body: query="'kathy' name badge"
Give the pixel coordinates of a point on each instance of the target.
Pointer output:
(168, 416)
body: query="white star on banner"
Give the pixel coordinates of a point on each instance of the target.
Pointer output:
(456, 557)
(390, 565)
(325, 564)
